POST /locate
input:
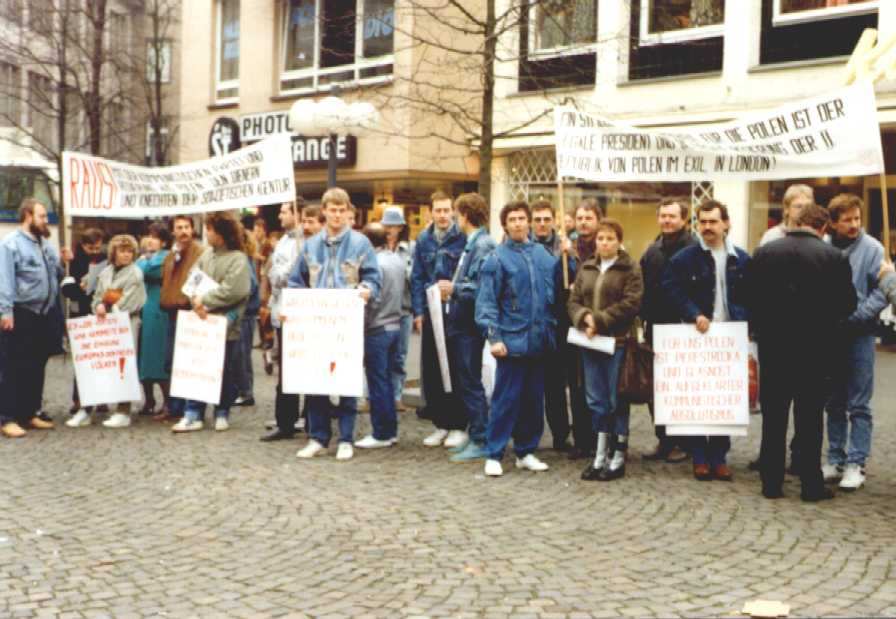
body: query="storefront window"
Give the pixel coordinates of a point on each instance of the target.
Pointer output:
(806, 10)
(379, 24)
(559, 25)
(670, 21)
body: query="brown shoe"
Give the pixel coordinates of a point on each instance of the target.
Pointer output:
(702, 472)
(13, 430)
(400, 407)
(722, 472)
(41, 424)
(676, 455)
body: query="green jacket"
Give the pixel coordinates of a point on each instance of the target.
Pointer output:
(230, 269)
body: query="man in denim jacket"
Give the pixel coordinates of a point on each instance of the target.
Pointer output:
(337, 257)
(513, 310)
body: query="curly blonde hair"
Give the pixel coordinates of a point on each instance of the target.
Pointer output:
(122, 241)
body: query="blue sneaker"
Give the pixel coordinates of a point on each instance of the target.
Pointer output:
(471, 451)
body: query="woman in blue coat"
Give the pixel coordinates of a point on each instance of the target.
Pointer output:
(154, 322)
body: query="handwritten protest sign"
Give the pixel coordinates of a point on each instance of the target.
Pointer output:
(701, 379)
(198, 364)
(434, 301)
(258, 174)
(104, 358)
(323, 342)
(835, 134)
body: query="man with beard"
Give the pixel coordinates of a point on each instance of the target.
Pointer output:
(30, 272)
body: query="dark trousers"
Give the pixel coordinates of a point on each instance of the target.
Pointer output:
(442, 408)
(465, 356)
(786, 379)
(582, 429)
(286, 405)
(28, 346)
(556, 378)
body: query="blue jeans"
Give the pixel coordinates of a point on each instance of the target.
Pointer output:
(320, 413)
(517, 407)
(851, 401)
(601, 380)
(195, 410)
(175, 405)
(247, 376)
(465, 357)
(379, 355)
(401, 353)
(711, 450)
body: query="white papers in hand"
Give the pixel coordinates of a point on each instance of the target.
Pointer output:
(198, 284)
(600, 343)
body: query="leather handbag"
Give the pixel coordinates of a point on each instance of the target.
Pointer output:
(636, 372)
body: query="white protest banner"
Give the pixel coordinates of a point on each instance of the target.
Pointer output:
(434, 301)
(701, 379)
(834, 134)
(104, 358)
(198, 365)
(323, 342)
(257, 174)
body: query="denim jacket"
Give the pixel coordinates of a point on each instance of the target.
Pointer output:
(30, 272)
(461, 316)
(865, 255)
(433, 261)
(515, 297)
(346, 261)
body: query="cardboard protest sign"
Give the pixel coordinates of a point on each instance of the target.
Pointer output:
(834, 134)
(198, 365)
(104, 358)
(323, 342)
(258, 174)
(434, 301)
(700, 380)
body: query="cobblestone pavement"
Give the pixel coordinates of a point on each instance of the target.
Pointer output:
(142, 523)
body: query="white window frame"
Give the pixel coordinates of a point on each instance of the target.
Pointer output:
(315, 72)
(219, 83)
(646, 38)
(833, 12)
(563, 50)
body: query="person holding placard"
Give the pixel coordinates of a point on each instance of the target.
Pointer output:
(705, 283)
(226, 264)
(119, 288)
(338, 258)
(605, 301)
(513, 311)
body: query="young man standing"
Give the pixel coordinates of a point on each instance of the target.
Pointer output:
(513, 310)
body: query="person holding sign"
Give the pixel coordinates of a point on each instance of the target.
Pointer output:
(338, 258)
(705, 283)
(226, 264)
(605, 301)
(513, 311)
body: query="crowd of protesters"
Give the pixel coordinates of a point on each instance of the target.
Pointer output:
(811, 295)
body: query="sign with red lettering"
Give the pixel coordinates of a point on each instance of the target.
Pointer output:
(258, 174)
(105, 360)
(701, 380)
(198, 365)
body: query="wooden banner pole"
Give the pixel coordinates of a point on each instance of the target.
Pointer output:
(561, 210)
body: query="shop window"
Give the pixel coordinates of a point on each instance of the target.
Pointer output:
(227, 51)
(10, 85)
(333, 42)
(557, 45)
(796, 11)
(669, 21)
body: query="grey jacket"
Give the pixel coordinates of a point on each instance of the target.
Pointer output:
(230, 269)
(386, 310)
(865, 256)
(129, 280)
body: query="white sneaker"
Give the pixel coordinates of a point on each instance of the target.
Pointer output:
(221, 424)
(436, 438)
(493, 468)
(344, 451)
(313, 448)
(531, 463)
(831, 472)
(184, 425)
(118, 420)
(79, 419)
(853, 478)
(456, 438)
(369, 442)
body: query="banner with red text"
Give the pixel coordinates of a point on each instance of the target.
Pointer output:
(258, 174)
(198, 365)
(104, 358)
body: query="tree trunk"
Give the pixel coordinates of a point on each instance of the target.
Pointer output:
(488, 103)
(97, 59)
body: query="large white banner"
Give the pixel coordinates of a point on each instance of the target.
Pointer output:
(257, 174)
(834, 134)
(323, 342)
(105, 360)
(701, 380)
(198, 365)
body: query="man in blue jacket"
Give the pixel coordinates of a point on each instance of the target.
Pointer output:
(513, 310)
(436, 255)
(705, 283)
(465, 340)
(336, 257)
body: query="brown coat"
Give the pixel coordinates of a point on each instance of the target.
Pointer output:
(617, 303)
(174, 274)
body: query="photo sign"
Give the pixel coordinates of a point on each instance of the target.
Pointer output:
(257, 174)
(835, 134)
(701, 379)
(198, 365)
(323, 342)
(104, 358)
